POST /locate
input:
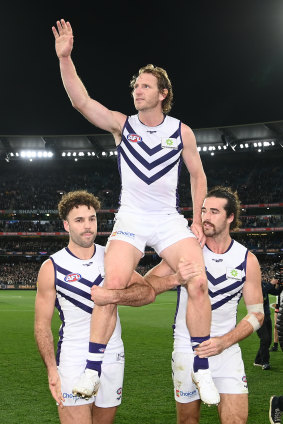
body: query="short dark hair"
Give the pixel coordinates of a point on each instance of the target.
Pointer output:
(163, 82)
(232, 206)
(74, 199)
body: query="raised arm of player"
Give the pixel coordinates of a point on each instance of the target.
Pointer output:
(92, 110)
(198, 179)
(252, 294)
(44, 308)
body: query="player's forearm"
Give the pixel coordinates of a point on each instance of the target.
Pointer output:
(72, 83)
(198, 192)
(162, 284)
(44, 340)
(240, 332)
(134, 295)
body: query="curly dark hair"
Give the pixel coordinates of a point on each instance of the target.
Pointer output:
(74, 199)
(232, 206)
(163, 82)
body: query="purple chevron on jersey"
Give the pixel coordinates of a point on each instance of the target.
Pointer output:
(227, 288)
(221, 302)
(147, 180)
(151, 165)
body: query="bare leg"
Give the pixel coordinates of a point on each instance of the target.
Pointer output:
(198, 317)
(103, 415)
(199, 307)
(188, 413)
(81, 414)
(121, 259)
(233, 409)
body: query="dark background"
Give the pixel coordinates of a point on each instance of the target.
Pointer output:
(224, 58)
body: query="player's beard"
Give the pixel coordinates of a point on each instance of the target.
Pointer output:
(80, 241)
(212, 231)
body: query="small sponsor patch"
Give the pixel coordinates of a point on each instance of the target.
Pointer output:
(169, 143)
(180, 393)
(234, 273)
(72, 278)
(134, 138)
(123, 233)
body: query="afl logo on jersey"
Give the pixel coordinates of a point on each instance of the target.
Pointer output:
(72, 278)
(134, 138)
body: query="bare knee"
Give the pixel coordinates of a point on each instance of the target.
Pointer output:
(197, 287)
(115, 282)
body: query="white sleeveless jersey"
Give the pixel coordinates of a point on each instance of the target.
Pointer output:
(74, 278)
(226, 275)
(149, 161)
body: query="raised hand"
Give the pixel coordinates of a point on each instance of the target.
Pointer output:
(64, 38)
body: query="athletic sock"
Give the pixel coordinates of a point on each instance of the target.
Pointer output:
(95, 356)
(199, 363)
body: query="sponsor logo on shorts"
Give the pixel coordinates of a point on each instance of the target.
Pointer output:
(134, 138)
(180, 393)
(119, 393)
(123, 233)
(101, 349)
(70, 396)
(72, 278)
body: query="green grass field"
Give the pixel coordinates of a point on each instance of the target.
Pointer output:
(148, 393)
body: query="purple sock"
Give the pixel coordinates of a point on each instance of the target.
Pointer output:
(199, 363)
(95, 356)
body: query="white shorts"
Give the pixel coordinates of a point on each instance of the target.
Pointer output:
(111, 382)
(156, 231)
(227, 370)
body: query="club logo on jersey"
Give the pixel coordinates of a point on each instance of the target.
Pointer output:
(244, 379)
(217, 260)
(134, 138)
(72, 278)
(119, 393)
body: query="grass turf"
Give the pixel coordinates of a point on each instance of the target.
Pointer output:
(148, 393)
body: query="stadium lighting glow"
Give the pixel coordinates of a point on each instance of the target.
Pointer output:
(76, 159)
(255, 144)
(224, 147)
(63, 154)
(115, 153)
(103, 153)
(259, 144)
(266, 143)
(259, 150)
(81, 154)
(246, 145)
(241, 146)
(199, 149)
(74, 153)
(212, 153)
(204, 148)
(219, 147)
(69, 154)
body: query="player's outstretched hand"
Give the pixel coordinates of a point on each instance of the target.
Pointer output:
(64, 38)
(55, 388)
(210, 347)
(187, 270)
